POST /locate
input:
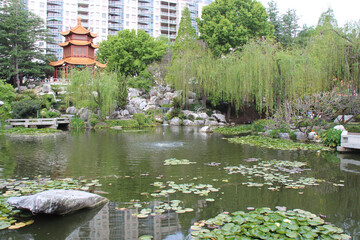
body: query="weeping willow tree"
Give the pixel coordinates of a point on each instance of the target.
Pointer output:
(94, 89)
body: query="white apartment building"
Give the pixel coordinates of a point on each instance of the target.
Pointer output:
(107, 17)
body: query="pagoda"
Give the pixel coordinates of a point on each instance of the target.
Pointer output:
(78, 50)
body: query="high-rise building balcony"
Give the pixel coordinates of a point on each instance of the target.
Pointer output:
(83, 9)
(54, 2)
(167, 21)
(168, 14)
(144, 1)
(145, 20)
(147, 5)
(115, 3)
(115, 11)
(83, 2)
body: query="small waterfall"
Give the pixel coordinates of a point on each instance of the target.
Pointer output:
(165, 122)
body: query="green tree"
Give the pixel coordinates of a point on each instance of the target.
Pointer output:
(289, 27)
(229, 24)
(274, 18)
(186, 36)
(7, 96)
(186, 53)
(131, 52)
(19, 54)
(96, 90)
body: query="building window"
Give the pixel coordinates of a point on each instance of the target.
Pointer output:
(104, 15)
(103, 30)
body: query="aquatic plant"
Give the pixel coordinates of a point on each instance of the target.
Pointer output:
(263, 223)
(331, 137)
(29, 131)
(174, 161)
(275, 143)
(240, 129)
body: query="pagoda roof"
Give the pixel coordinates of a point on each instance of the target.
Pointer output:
(78, 43)
(79, 29)
(77, 61)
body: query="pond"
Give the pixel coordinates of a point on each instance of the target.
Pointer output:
(128, 163)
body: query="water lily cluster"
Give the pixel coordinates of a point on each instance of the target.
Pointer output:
(172, 187)
(276, 143)
(274, 174)
(174, 161)
(264, 223)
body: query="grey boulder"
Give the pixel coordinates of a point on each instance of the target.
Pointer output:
(58, 201)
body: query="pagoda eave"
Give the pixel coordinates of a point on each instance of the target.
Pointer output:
(78, 43)
(77, 61)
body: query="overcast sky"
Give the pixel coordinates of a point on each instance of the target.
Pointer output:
(309, 11)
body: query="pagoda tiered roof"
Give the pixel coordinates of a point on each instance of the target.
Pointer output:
(79, 29)
(78, 43)
(77, 61)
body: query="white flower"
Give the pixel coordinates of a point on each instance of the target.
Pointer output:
(277, 224)
(287, 220)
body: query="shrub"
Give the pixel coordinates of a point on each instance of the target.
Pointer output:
(173, 113)
(49, 114)
(259, 125)
(176, 103)
(140, 118)
(353, 128)
(94, 120)
(47, 100)
(292, 135)
(77, 123)
(331, 137)
(274, 133)
(25, 108)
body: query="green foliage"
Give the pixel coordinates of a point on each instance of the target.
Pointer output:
(7, 95)
(19, 32)
(241, 129)
(140, 118)
(94, 120)
(132, 123)
(130, 51)
(47, 100)
(144, 81)
(29, 131)
(231, 24)
(44, 113)
(173, 113)
(292, 135)
(276, 143)
(331, 137)
(25, 108)
(97, 90)
(263, 223)
(186, 36)
(177, 103)
(153, 113)
(77, 123)
(274, 133)
(353, 128)
(259, 125)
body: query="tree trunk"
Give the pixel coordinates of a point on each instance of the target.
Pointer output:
(228, 112)
(17, 75)
(203, 97)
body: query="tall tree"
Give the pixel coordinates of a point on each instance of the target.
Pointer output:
(186, 37)
(99, 91)
(274, 18)
(289, 27)
(19, 54)
(229, 24)
(131, 52)
(186, 51)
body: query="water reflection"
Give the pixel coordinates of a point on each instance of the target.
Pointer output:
(128, 162)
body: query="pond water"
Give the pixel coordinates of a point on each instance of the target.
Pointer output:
(128, 162)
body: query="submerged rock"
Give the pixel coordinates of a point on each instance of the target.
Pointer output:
(58, 201)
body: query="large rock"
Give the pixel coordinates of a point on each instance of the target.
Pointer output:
(284, 135)
(132, 92)
(132, 110)
(153, 92)
(203, 115)
(300, 136)
(85, 114)
(187, 122)
(46, 88)
(115, 115)
(211, 123)
(1, 103)
(219, 117)
(199, 122)
(137, 102)
(175, 121)
(346, 118)
(124, 113)
(71, 110)
(340, 127)
(154, 100)
(58, 201)
(206, 129)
